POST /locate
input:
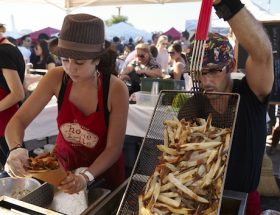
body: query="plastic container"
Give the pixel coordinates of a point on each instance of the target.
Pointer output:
(48, 147)
(146, 99)
(38, 151)
(163, 84)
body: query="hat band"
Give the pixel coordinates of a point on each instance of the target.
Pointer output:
(82, 47)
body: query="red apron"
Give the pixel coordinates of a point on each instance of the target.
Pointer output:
(82, 139)
(7, 114)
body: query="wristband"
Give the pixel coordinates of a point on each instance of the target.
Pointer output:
(226, 9)
(88, 174)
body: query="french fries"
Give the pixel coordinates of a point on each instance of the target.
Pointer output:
(43, 162)
(190, 173)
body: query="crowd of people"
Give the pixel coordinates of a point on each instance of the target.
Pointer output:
(36, 51)
(94, 83)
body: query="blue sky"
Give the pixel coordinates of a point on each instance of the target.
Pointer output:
(146, 17)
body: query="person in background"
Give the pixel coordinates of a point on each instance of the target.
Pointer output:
(93, 108)
(118, 45)
(43, 36)
(143, 66)
(12, 68)
(185, 41)
(170, 39)
(177, 62)
(121, 58)
(12, 40)
(249, 140)
(275, 134)
(162, 57)
(56, 58)
(153, 50)
(131, 44)
(155, 37)
(25, 47)
(42, 58)
(132, 55)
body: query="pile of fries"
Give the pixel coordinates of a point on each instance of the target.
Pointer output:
(43, 162)
(190, 173)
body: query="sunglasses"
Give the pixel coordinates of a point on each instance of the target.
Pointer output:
(171, 52)
(141, 56)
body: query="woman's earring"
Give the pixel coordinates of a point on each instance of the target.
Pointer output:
(97, 73)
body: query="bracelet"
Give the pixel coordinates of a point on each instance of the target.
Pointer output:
(226, 9)
(16, 147)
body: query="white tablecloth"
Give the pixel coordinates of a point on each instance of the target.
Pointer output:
(44, 125)
(138, 120)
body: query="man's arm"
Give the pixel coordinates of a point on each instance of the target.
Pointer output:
(259, 65)
(152, 73)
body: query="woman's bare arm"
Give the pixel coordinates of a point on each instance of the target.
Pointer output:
(32, 107)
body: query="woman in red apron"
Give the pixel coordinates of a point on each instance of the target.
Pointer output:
(92, 103)
(82, 139)
(12, 68)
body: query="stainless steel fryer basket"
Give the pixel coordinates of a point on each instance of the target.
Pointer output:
(172, 103)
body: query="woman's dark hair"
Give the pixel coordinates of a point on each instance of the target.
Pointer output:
(45, 52)
(108, 60)
(154, 51)
(43, 36)
(178, 48)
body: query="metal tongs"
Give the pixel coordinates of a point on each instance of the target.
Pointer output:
(199, 43)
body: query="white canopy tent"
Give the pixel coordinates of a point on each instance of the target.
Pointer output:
(124, 31)
(69, 5)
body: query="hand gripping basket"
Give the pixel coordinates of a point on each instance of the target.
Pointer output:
(174, 104)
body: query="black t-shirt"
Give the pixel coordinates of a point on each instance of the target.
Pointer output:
(37, 64)
(249, 138)
(10, 58)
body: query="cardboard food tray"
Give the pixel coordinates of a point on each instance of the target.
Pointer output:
(53, 177)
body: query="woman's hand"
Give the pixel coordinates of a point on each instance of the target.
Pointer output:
(16, 162)
(73, 183)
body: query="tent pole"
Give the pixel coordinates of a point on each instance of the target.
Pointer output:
(51, 3)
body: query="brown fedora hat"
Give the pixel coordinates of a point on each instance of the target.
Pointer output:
(81, 37)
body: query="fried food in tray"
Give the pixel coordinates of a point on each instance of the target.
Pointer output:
(190, 174)
(47, 167)
(43, 162)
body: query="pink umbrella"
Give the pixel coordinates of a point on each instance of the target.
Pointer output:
(49, 31)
